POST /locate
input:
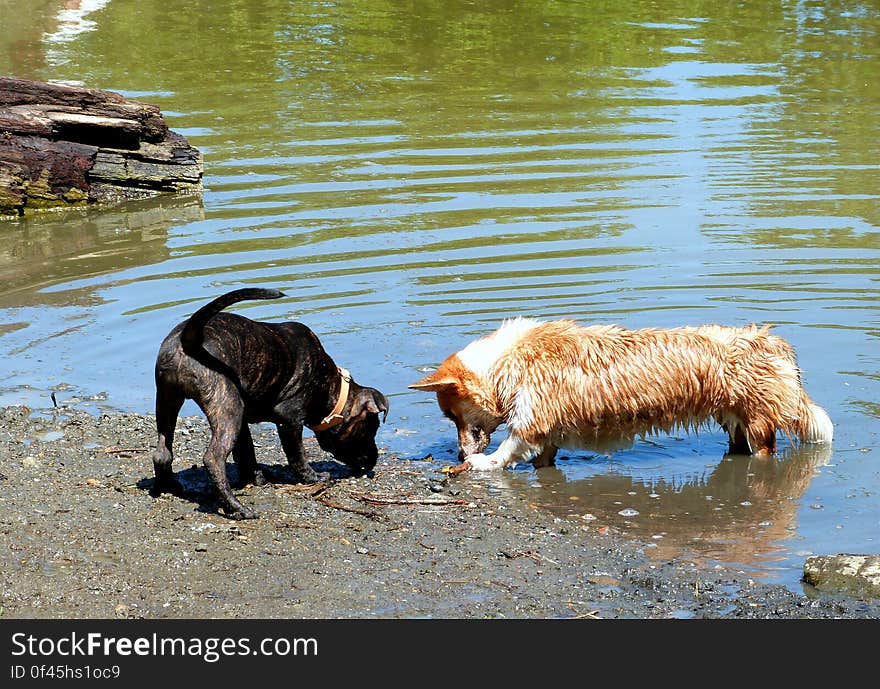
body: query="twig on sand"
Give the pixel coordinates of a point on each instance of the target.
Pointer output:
(316, 490)
(123, 450)
(531, 554)
(344, 508)
(379, 500)
(320, 490)
(503, 585)
(592, 615)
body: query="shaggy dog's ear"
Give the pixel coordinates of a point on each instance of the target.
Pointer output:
(435, 382)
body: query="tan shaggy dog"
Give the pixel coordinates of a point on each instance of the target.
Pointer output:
(557, 384)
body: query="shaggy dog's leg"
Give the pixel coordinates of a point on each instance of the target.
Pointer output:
(510, 452)
(760, 432)
(547, 457)
(739, 444)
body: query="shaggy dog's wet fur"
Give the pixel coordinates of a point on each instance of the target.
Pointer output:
(558, 384)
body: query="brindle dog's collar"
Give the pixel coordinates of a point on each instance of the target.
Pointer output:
(335, 417)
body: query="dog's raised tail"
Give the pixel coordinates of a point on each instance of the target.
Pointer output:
(814, 424)
(193, 331)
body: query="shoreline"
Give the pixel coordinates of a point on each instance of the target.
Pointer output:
(82, 537)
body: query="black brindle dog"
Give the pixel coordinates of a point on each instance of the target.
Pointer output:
(240, 371)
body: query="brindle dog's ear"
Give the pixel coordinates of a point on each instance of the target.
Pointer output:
(381, 404)
(370, 401)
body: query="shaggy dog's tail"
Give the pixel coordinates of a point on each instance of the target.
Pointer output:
(193, 332)
(814, 424)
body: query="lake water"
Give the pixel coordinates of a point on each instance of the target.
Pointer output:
(412, 173)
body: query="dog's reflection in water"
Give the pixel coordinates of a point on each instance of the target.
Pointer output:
(735, 511)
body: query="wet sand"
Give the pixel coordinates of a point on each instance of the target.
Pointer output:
(81, 537)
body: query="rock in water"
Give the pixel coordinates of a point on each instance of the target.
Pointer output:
(64, 146)
(853, 574)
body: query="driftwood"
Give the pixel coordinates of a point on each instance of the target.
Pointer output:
(380, 500)
(66, 146)
(336, 506)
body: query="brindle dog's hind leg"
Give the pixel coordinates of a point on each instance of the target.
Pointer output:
(226, 416)
(291, 442)
(246, 460)
(168, 404)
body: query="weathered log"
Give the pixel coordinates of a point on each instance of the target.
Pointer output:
(857, 575)
(63, 146)
(57, 98)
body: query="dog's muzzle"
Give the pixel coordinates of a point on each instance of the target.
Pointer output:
(361, 465)
(472, 442)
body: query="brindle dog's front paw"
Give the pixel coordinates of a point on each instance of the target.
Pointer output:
(305, 474)
(234, 509)
(241, 512)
